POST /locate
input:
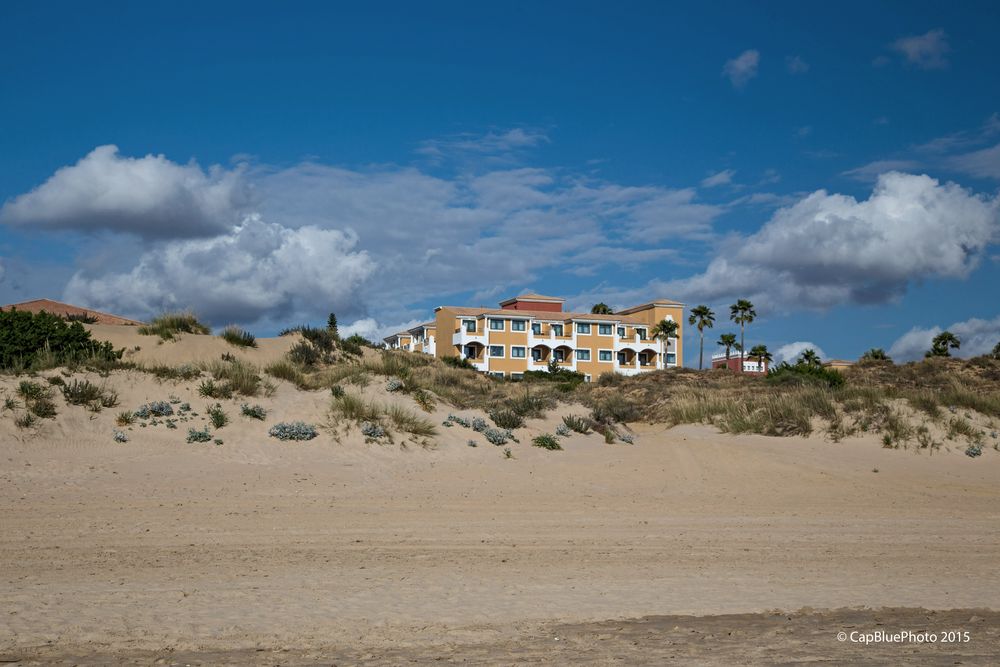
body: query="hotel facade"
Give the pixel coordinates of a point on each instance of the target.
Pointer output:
(527, 332)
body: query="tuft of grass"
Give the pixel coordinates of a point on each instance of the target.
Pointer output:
(926, 402)
(43, 408)
(506, 418)
(32, 391)
(217, 416)
(167, 325)
(288, 371)
(423, 398)
(56, 381)
(356, 409)
(577, 423)
(125, 418)
(83, 392)
(163, 372)
(546, 441)
(213, 389)
(238, 337)
(406, 421)
(241, 377)
(25, 420)
(615, 408)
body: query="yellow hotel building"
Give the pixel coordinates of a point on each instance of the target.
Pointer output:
(528, 331)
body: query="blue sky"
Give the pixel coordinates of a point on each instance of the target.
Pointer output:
(265, 164)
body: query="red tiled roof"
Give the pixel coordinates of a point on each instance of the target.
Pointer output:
(65, 310)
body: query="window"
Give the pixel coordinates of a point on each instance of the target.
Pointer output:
(517, 376)
(645, 359)
(470, 352)
(517, 325)
(621, 332)
(586, 378)
(496, 325)
(621, 358)
(604, 329)
(536, 328)
(536, 354)
(470, 326)
(559, 355)
(583, 355)
(583, 328)
(517, 352)
(642, 333)
(496, 351)
(557, 329)
(496, 374)
(604, 355)
(671, 358)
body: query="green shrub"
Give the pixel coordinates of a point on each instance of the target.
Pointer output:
(546, 441)
(286, 370)
(305, 353)
(610, 379)
(459, 362)
(32, 391)
(424, 399)
(125, 418)
(253, 411)
(238, 337)
(163, 372)
(293, 431)
(196, 435)
(81, 392)
(803, 373)
(167, 325)
(577, 423)
(506, 418)
(213, 389)
(29, 340)
(25, 420)
(217, 416)
(241, 377)
(407, 422)
(528, 405)
(42, 407)
(615, 408)
(353, 345)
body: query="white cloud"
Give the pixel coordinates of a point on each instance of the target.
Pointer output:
(742, 68)
(830, 249)
(149, 196)
(791, 351)
(796, 65)
(3, 270)
(983, 163)
(724, 177)
(500, 145)
(258, 272)
(926, 51)
(871, 171)
(977, 337)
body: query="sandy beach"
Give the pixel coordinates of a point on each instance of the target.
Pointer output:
(327, 551)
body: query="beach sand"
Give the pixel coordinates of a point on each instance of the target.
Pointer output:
(321, 552)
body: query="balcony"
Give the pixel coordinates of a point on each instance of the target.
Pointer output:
(462, 337)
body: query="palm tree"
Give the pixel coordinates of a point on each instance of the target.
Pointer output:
(760, 353)
(601, 309)
(728, 341)
(703, 317)
(664, 330)
(809, 358)
(942, 345)
(875, 354)
(742, 313)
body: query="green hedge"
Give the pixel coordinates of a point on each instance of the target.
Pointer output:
(24, 336)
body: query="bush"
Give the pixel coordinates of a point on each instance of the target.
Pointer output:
(408, 422)
(162, 372)
(119, 436)
(154, 409)
(286, 370)
(615, 409)
(240, 377)
(610, 379)
(323, 339)
(802, 373)
(498, 436)
(577, 423)
(238, 337)
(372, 430)
(527, 405)
(562, 430)
(546, 441)
(56, 381)
(42, 407)
(337, 391)
(424, 399)
(212, 389)
(28, 338)
(479, 425)
(125, 418)
(196, 435)
(81, 392)
(167, 325)
(217, 416)
(293, 431)
(26, 420)
(506, 418)
(353, 345)
(305, 353)
(394, 384)
(459, 362)
(253, 411)
(32, 391)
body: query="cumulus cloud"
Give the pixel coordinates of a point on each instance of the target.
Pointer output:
(791, 351)
(927, 51)
(830, 249)
(724, 177)
(976, 335)
(150, 196)
(742, 68)
(259, 271)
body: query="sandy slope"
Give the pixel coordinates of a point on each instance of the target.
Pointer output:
(383, 550)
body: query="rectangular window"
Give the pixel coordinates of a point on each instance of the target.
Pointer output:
(496, 374)
(642, 333)
(583, 355)
(671, 358)
(559, 355)
(604, 355)
(604, 329)
(517, 325)
(582, 328)
(621, 358)
(644, 359)
(496, 351)
(470, 326)
(621, 332)
(496, 325)
(517, 352)
(586, 378)
(536, 328)
(557, 330)
(536, 354)
(517, 376)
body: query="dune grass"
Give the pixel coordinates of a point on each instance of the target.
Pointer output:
(238, 337)
(167, 325)
(238, 376)
(353, 408)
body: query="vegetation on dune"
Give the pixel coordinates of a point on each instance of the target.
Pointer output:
(37, 341)
(167, 325)
(601, 309)
(943, 344)
(703, 318)
(742, 313)
(238, 337)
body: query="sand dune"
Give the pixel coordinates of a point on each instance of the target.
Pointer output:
(384, 553)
